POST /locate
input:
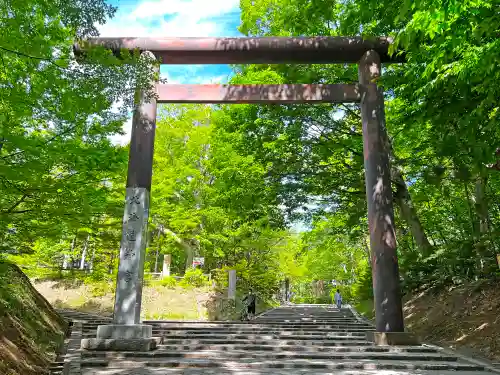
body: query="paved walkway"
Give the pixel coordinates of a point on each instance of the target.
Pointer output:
(296, 339)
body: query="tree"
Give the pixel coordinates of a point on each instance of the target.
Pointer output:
(441, 117)
(210, 199)
(56, 116)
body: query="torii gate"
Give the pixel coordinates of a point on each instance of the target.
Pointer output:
(368, 54)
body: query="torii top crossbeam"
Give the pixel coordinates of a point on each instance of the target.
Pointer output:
(264, 50)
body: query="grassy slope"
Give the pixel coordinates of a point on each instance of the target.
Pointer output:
(464, 317)
(30, 330)
(158, 302)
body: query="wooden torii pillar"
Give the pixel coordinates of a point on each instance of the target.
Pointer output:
(369, 54)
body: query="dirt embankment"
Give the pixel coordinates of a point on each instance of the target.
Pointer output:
(464, 317)
(30, 330)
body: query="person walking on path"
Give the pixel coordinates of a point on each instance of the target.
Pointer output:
(250, 300)
(338, 299)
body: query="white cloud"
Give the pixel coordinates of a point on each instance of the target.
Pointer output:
(211, 79)
(166, 18)
(193, 74)
(172, 78)
(176, 27)
(194, 9)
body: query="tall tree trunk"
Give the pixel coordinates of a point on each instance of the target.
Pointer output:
(111, 263)
(84, 252)
(408, 213)
(65, 262)
(91, 267)
(366, 240)
(486, 262)
(481, 205)
(189, 257)
(157, 251)
(69, 257)
(471, 214)
(188, 249)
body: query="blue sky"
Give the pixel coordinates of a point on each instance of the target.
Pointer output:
(170, 18)
(183, 18)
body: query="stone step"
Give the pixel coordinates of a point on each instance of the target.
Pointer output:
(56, 368)
(334, 314)
(188, 341)
(219, 323)
(303, 320)
(255, 324)
(292, 340)
(330, 312)
(325, 337)
(261, 329)
(284, 332)
(309, 310)
(285, 335)
(299, 315)
(338, 331)
(85, 316)
(360, 364)
(221, 371)
(297, 323)
(307, 313)
(241, 354)
(251, 329)
(311, 317)
(263, 336)
(301, 348)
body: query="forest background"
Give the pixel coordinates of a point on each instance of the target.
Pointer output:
(231, 182)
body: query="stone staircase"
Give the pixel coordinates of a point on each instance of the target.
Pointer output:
(296, 339)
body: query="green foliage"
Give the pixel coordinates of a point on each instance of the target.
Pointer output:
(365, 308)
(210, 199)
(168, 281)
(194, 277)
(229, 181)
(346, 291)
(100, 289)
(363, 287)
(442, 119)
(59, 171)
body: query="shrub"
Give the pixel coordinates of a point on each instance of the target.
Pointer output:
(194, 277)
(102, 288)
(168, 281)
(363, 287)
(323, 300)
(147, 279)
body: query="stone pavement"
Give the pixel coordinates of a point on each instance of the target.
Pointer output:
(295, 339)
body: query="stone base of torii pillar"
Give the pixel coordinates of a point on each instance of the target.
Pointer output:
(122, 337)
(127, 333)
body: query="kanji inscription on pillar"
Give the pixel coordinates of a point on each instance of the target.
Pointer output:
(132, 253)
